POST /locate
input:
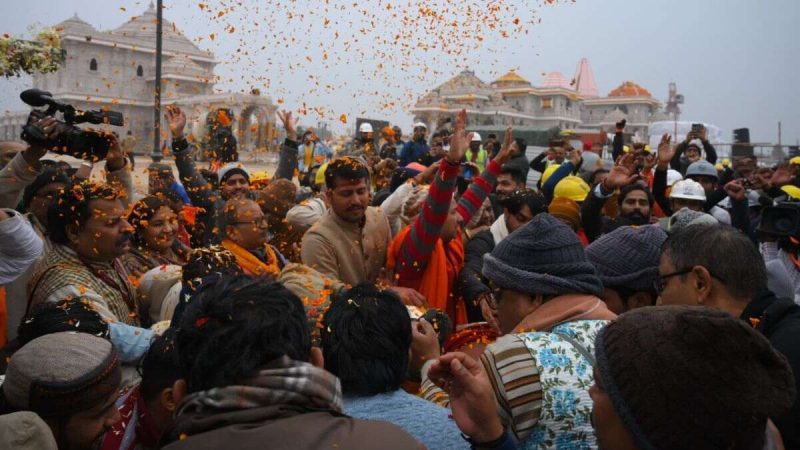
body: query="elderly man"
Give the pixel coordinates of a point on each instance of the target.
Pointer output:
(247, 232)
(234, 180)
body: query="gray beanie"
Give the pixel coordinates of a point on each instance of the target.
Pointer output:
(628, 257)
(684, 218)
(543, 257)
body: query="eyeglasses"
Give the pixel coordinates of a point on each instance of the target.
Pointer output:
(255, 222)
(661, 282)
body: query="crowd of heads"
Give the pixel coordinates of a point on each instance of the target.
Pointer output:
(642, 249)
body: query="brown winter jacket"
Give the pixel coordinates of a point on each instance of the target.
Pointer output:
(287, 427)
(349, 252)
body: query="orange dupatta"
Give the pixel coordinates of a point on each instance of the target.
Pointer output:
(249, 263)
(439, 276)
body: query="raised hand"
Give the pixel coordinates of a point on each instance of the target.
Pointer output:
(648, 161)
(575, 156)
(665, 151)
(427, 175)
(472, 398)
(622, 174)
(506, 150)
(289, 124)
(736, 191)
(459, 140)
(784, 174)
(176, 121)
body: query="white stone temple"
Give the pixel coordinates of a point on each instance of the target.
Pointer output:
(555, 102)
(116, 70)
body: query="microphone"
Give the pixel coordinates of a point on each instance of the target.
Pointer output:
(36, 97)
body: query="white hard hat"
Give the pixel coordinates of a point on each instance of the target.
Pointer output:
(673, 176)
(476, 137)
(420, 125)
(689, 190)
(365, 128)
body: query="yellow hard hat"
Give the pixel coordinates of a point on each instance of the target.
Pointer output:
(795, 160)
(259, 176)
(791, 190)
(648, 149)
(726, 162)
(573, 188)
(320, 177)
(719, 167)
(549, 171)
(625, 149)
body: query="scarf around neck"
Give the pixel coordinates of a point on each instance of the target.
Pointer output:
(565, 308)
(250, 263)
(283, 382)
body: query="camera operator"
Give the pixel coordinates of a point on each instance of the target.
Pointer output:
(31, 188)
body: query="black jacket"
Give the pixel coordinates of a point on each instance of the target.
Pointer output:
(593, 221)
(680, 163)
(779, 321)
(470, 280)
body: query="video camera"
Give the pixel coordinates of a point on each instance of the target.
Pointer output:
(782, 220)
(84, 144)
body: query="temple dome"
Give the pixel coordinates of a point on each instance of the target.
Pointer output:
(143, 29)
(556, 80)
(512, 78)
(75, 25)
(629, 89)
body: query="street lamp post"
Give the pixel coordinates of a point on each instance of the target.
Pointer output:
(156, 155)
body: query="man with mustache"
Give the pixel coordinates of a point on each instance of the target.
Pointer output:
(635, 201)
(84, 262)
(350, 241)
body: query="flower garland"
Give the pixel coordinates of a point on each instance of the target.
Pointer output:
(42, 55)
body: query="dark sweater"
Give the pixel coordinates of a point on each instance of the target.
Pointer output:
(470, 278)
(779, 321)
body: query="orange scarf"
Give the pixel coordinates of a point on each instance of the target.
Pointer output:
(249, 263)
(439, 276)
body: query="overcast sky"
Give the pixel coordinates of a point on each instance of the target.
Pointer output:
(737, 62)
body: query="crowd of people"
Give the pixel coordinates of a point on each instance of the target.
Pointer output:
(402, 294)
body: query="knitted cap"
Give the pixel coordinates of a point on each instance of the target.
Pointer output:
(60, 374)
(542, 257)
(628, 257)
(566, 210)
(691, 377)
(686, 217)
